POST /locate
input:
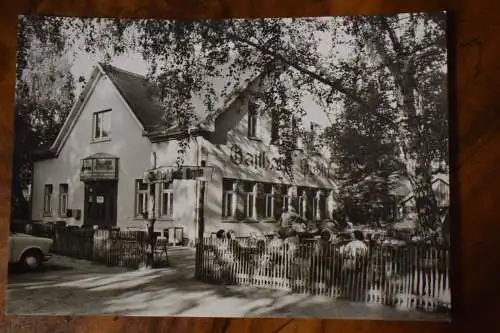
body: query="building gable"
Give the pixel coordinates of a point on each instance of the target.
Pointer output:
(71, 119)
(234, 119)
(141, 98)
(138, 94)
(440, 187)
(218, 121)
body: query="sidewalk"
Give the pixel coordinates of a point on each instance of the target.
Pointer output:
(83, 288)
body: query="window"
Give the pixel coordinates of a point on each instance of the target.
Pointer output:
(167, 200)
(323, 207)
(268, 201)
(141, 197)
(252, 120)
(249, 196)
(319, 205)
(101, 125)
(47, 199)
(300, 204)
(227, 198)
(285, 199)
(63, 199)
(311, 138)
(315, 208)
(305, 203)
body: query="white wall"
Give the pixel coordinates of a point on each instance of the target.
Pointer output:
(126, 142)
(185, 191)
(232, 128)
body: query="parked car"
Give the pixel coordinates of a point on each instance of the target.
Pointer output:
(29, 251)
(32, 228)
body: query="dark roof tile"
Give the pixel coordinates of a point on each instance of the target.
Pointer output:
(142, 96)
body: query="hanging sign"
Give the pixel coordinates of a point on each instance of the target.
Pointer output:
(169, 173)
(99, 169)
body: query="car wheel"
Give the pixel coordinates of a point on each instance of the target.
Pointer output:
(31, 260)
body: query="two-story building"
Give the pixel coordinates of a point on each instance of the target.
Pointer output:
(93, 173)
(441, 188)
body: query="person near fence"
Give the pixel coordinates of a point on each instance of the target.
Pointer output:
(356, 245)
(354, 254)
(288, 217)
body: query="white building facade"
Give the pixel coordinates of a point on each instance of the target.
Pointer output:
(93, 173)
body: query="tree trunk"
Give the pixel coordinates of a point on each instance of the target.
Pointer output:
(20, 206)
(425, 199)
(414, 150)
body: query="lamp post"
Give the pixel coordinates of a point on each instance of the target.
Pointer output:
(201, 206)
(207, 175)
(151, 218)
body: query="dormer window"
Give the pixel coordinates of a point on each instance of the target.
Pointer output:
(101, 125)
(252, 120)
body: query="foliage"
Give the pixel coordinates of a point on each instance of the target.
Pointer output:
(366, 159)
(410, 53)
(44, 96)
(392, 75)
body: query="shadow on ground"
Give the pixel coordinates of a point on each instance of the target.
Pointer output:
(88, 289)
(15, 269)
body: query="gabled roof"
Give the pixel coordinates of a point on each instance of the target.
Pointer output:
(142, 97)
(442, 178)
(207, 123)
(140, 94)
(71, 119)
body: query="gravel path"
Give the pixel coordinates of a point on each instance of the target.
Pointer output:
(77, 287)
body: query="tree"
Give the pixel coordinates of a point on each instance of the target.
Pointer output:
(366, 159)
(44, 96)
(413, 62)
(406, 54)
(403, 54)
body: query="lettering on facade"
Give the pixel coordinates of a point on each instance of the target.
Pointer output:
(261, 160)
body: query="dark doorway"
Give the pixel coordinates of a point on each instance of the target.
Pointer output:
(100, 203)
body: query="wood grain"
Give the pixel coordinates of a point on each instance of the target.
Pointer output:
(475, 49)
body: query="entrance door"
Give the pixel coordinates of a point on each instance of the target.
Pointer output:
(100, 203)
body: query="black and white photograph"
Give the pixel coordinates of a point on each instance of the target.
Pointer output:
(265, 167)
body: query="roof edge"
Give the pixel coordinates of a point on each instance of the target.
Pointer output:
(207, 123)
(75, 111)
(43, 154)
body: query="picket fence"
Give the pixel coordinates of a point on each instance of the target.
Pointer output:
(109, 247)
(409, 277)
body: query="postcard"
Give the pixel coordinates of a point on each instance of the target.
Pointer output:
(273, 167)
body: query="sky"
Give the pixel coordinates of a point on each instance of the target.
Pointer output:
(83, 63)
(133, 62)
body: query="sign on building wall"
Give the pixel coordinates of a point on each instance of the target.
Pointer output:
(169, 173)
(261, 160)
(99, 169)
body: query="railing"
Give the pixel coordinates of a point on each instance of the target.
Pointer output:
(409, 277)
(110, 247)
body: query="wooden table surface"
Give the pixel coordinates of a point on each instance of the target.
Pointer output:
(475, 113)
